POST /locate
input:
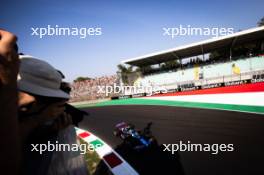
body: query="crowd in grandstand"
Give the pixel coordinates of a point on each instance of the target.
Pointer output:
(87, 89)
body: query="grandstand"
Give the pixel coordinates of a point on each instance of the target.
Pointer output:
(87, 89)
(239, 59)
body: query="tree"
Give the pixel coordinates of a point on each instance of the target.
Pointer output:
(214, 55)
(124, 71)
(219, 54)
(169, 65)
(261, 22)
(78, 79)
(145, 69)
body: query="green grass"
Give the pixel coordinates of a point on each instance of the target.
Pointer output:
(91, 158)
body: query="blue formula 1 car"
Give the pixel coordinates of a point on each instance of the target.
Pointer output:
(135, 139)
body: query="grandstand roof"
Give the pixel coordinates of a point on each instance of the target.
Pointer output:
(197, 48)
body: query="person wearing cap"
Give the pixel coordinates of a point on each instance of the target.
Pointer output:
(42, 118)
(40, 99)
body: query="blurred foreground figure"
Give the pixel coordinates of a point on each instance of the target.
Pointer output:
(43, 119)
(77, 114)
(9, 63)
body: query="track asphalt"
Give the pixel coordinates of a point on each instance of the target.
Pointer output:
(200, 126)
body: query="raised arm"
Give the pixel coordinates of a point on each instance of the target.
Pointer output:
(9, 64)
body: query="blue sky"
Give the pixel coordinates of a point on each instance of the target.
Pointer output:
(130, 28)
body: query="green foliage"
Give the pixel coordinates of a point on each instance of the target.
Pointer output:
(169, 65)
(144, 69)
(124, 71)
(78, 79)
(261, 22)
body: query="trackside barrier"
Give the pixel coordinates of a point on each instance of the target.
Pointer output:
(111, 158)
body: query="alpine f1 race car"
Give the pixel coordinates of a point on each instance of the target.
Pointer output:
(135, 139)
